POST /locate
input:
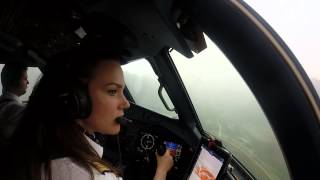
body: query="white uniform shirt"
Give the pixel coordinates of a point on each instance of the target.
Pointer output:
(66, 169)
(11, 110)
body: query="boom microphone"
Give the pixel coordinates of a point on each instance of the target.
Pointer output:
(124, 121)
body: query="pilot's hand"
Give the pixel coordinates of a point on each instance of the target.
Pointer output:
(164, 164)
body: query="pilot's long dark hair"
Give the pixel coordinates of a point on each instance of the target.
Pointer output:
(46, 132)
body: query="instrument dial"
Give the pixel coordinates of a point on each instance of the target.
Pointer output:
(147, 142)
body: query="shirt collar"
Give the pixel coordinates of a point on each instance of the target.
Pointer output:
(12, 96)
(95, 146)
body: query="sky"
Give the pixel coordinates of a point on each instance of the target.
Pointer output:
(298, 24)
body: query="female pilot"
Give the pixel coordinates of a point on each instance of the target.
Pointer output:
(70, 104)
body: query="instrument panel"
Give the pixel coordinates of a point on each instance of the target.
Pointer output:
(140, 143)
(150, 143)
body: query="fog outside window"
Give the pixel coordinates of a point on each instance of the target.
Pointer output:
(229, 111)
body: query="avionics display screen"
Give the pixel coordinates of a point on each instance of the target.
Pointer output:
(207, 166)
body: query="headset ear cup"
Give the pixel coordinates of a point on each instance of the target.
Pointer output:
(76, 102)
(83, 106)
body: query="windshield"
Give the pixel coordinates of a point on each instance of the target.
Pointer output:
(143, 86)
(297, 23)
(229, 111)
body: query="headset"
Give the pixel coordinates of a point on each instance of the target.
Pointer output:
(75, 101)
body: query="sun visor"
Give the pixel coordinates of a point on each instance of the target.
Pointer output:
(183, 27)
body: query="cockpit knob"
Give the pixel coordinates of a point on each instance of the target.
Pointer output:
(161, 149)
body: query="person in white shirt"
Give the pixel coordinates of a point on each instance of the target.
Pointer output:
(14, 80)
(69, 105)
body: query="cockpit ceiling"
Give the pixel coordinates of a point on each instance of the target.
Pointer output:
(142, 28)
